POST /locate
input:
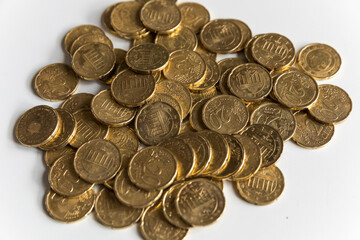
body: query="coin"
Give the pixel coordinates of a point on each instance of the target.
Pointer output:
(263, 188)
(194, 15)
(52, 155)
(310, 133)
(120, 64)
(183, 38)
(212, 76)
(246, 33)
(223, 86)
(166, 98)
(90, 38)
(209, 93)
(319, 61)
(56, 82)
(228, 63)
(225, 114)
(114, 214)
(123, 138)
(248, 48)
(97, 161)
(106, 20)
(196, 115)
(204, 52)
(153, 168)
(77, 101)
(76, 32)
(333, 105)
(148, 38)
(38, 126)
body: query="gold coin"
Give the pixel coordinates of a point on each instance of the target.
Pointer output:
(148, 38)
(52, 155)
(218, 182)
(228, 63)
(120, 65)
(130, 195)
(76, 32)
(200, 202)
(153, 168)
(248, 48)
(90, 38)
(263, 188)
(333, 105)
(319, 61)
(276, 116)
(156, 122)
(87, 128)
(77, 102)
(38, 126)
(106, 110)
(186, 127)
(64, 180)
(246, 33)
(114, 214)
(155, 226)
(67, 209)
(268, 140)
(221, 36)
(132, 89)
(223, 86)
(310, 133)
(147, 58)
(93, 61)
(212, 76)
(183, 38)
(106, 20)
(97, 161)
(166, 98)
(209, 93)
(273, 51)
(225, 114)
(123, 138)
(194, 15)
(250, 82)
(204, 52)
(160, 16)
(56, 82)
(196, 115)
(185, 66)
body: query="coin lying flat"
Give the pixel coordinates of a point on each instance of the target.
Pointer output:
(248, 48)
(183, 38)
(166, 98)
(212, 76)
(205, 52)
(246, 33)
(90, 38)
(223, 86)
(194, 15)
(106, 20)
(52, 155)
(209, 93)
(196, 115)
(76, 32)
(148, 38)
(124, 138)
(227, 63)
(77, 101)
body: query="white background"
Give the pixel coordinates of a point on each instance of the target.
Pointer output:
(321, 198)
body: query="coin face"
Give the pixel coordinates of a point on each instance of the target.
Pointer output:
(77, 101)
(212, 76)
(196, 115)
(319, 61)
(225, 114)
(263, 188)
(166, 98)
(52, 155)
(333, 105)
(246, 33)
(183, 38)
(194, 16)
(228, 63)
(97, 161)
(209, 93)
(56, 82)
(124, 138)
(205, 52)
(90, 38)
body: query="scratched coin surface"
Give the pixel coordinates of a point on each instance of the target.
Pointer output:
(227, 63)
(263, 188)
(112, 213)
(52, 155)
(225, 114)
(153, 168)
(194, 15)
(76, 32)
(333, 105)
(246, 33)
(319, 61)
(77, 101)
(212, 76)
(90, 38)
(166, 98)
(196, 115)
(67, 209)
(56, 82)
(183, 38)
(97, 161)
(200, 202)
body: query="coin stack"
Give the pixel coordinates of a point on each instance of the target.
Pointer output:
(196, 121)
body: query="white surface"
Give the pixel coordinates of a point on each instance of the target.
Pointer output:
(321, 197)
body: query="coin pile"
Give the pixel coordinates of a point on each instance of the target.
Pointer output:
(198, 121)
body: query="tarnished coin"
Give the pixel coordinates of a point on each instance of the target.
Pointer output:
(77, 101)
(228, 63)
(223, 86)
(76, 32)
(183, 38)
(310, 133)
(52, 155)
(97, 161)
(204, 52)
(196, 115)
(319, 61)
(225, 114)
(106, 18)
(123, 138)
(246, 33)
(333, 105)
(56, 82)
(166, 98)
(153, 168)
(67, 209)
(209, 93)
(194, 15)
(263, 188)
(156, 122)
(212, 76)
(114, 214)
(148, 38)
(90, 38)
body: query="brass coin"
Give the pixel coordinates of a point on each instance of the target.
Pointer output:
(248, 48)
(183, 38)
(156, 122)
(123, 138)
(52, 155)
(153, 168)
(200, 202)
(87, 128)
(166, 98)
(67, 209)
(194, 15)
(186, 127)
(196, 115)
(106, 20)
(212, 76)
(147, 58)
(90, 38)
(120, 65)
(132, 89)
(38, 126)
(204, 52)
(148, 38)
(160, 16)
(319, 61)
(225, 114)
(106, 110)
(310, 133)
(268, 140)
(93, 61)
(56, 82)
(228, 63)
(218, 182)
(223, 86)
(114, 214)
(77, 102)
(97, 161)
(64, 180)
(246, 33)
(209, 93)
(130, 195)
(263, 188)
(76, 32)
(333, 105)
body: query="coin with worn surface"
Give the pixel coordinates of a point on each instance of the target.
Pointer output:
(333, 105)
(212, 76)
(263, 188)
(38, 126)
(246, 33)
(90, 38)
(225, 114)
(106, 20)
(166, 98)
(196, 115)
(204, 52)
(319, 61)
(310, 133)
(77, 101)
(183, 38)
(76, 32)
(228, 63)
(52, 155)
(56, 82)
(67, 209)
(112, 213)
(209, 93)
(123, 138)
(223, 86)
(194, 15)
